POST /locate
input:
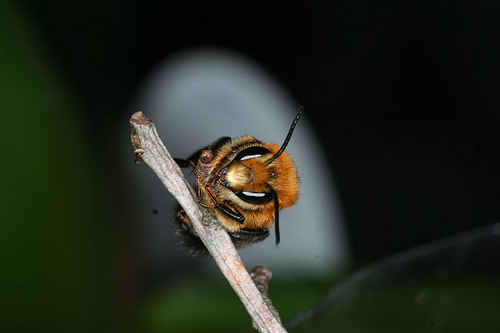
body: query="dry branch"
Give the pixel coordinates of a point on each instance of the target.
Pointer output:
(149, 149)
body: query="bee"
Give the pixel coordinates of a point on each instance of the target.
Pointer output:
(244, 183)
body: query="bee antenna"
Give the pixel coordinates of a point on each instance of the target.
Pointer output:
(288, 137)
(276, 215)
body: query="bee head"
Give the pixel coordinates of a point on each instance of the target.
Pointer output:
(264, 174)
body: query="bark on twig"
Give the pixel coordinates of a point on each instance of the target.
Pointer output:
(149, 149)
(261, 275)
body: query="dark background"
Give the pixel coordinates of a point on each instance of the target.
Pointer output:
(402, 97)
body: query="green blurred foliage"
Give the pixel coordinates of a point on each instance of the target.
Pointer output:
(421, 303)
(50, 220)
(210, 305)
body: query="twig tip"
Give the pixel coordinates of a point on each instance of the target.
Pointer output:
(140, 118)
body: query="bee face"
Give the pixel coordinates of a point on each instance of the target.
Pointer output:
(244, 183)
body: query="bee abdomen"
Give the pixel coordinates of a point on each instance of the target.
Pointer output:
(188, 237)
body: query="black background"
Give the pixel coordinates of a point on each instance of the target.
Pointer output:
(404, 99)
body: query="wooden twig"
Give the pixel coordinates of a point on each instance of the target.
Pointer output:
(149, 149)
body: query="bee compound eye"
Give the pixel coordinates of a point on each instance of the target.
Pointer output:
(256, 198)
(251, 152)
(206, 157)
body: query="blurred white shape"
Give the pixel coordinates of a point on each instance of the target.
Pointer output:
(201, 95)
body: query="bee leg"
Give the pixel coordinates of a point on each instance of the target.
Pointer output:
(183, 229)
(224, 207)
(230, 212)
(245, 237)
(191, 161)
(182, 163)
(183, 218)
